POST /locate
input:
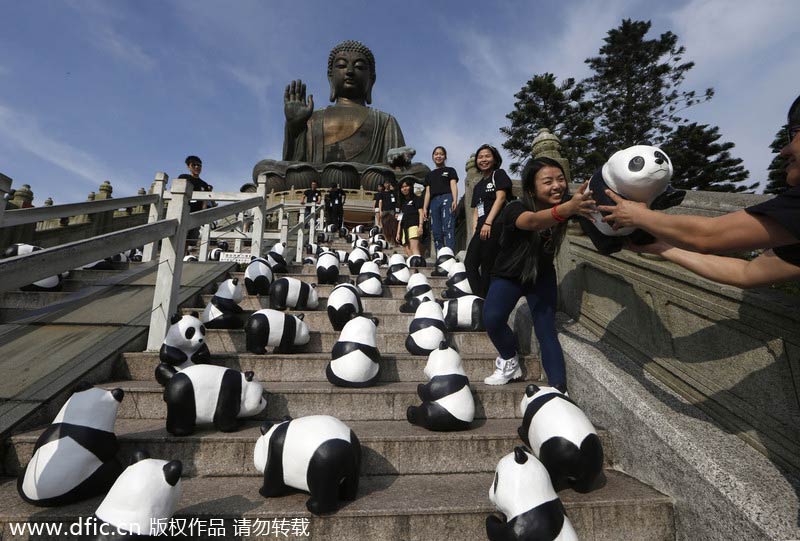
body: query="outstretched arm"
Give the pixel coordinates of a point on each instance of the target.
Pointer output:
(581, 204)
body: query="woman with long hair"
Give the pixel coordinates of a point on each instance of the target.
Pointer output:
(441, 198)
(410, 230)
(533, 229)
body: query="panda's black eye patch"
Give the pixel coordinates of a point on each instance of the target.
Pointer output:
(496, 481)
(189, 333)
(660, 157)
(203, 330)
(636, 164)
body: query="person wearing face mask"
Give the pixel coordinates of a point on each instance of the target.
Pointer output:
(532, 231)
(773, 225)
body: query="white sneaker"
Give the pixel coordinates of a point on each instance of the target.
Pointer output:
(505, 371)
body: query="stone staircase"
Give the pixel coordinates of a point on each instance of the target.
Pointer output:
(415, 484)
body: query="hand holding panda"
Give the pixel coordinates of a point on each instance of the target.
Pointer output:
(447, 402)
(183, 346)
(223, 311)
(355, 358)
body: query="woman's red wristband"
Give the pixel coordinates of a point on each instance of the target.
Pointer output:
(556, 216)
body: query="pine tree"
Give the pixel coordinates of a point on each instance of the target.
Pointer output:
(776, 178)
(700, 162)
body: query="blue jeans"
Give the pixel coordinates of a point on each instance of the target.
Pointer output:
(442, 221)
(503, 296)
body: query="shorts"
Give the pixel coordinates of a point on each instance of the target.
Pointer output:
(409, 233)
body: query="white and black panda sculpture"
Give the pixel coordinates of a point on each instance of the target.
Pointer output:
(328, 268)
(215, 254)
(376, 237)
(343, 232)
(351, 238)
(361, 243)
(378, 244)
(270, 328)
(426, 330)
(309, 260)
(75, 457)
(369, 280)
(417, 290)
(398, 273)
(447, 402)
(142, 501)
(184, 345)
(318, 454)
(374, 230)
(311, 248)
(457, 282)
(360, 228)
(289, 292)
(561, 437)
(51, 283)
(208, 394)
(258, 277)
(344, 303)
(355, 259)
(380, 259)
(342, 255)
(416, 261)
(275, 258)
(639, 173)
(355, 359)
(324, 237)
(445, 258)
(464, 313)
(522, 492)
(190, 259)
(223, 310)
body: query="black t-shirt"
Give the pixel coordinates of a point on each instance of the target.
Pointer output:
(336, 198)
(784, 209)
(485, 193)
(376, 199)
(312, 196)
(516, 248)
(439, 180)
(389, 201)
(410, 210)
(198, 185)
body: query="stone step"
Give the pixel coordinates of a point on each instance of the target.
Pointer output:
(387, 508)
(436, 282)
(30, 300)
(389, 447)
(311, 269)
(233, 341)
(311, 366)
(370, 304)
(387, 401)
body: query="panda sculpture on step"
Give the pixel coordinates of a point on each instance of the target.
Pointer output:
(378, 244)
(292, 293)
(417, 290)
(374, 230)
(190, 259)
(351, 238)
(522, 492)
(639, 173)
(361, 228)
(416, 261)
(361, 243)
(310, 260)
(561, 437)
(376, 237)
(457, 283)
(369, 280)
(75, 457)
(398, 273)
(317, 454)
(380, 259)
(275, 258)
(258, 277)
(447, 402)
(355, 359)
(328, 268)
(207, 394)
(464, 313)
(51, 283)
(324, 237)
(355, 259)
(141, 502)
(311, 248)
(426, 330)
(223, 311)
(215, 254)
(270, 328)
(184, 345)
(344, 303)
(445, 258)
(343, 232)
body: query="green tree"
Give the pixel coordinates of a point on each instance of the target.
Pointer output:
(776, 177)
(701, 162)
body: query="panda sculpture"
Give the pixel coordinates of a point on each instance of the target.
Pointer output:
(369, 280)
(310, 260)
(522, 492)
(275, 258)
(208, 394)
(376, 237)
(223, 310)
(100, 264)
(447, 402)
(51, 283)
(317, 454)
(342, 255)
(328, 268)
(457, 283)
(361, 228)
(143, 499)
(374, 230)
(561, 437)
(361, 243)
(355, 259)
(426, 330)
(331, 228)
(343, 232)
(445, 258)
(270, 328)
(639, 173)
(355, 359)
(289, 292)
(352, 238)
(184, 346)
(398, 273)
(344, 303)
(464, 313)
(415, 261)
(417, 290)
(311, 248)
(380, 259)
(215, 254)
(258, 277)
(190, 259)
(324, 237)
(74, 458)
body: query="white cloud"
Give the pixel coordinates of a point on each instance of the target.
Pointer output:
(118, 46)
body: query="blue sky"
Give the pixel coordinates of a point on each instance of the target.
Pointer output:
(117, 90)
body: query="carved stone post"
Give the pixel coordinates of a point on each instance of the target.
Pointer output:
(298, 256)
(22, 198)
(473, 176)
(312, 225)
(205, 236)
(156, 209)
(170, 265)
(5, 188)
(547, 145)
(259, 218)
(283, 226)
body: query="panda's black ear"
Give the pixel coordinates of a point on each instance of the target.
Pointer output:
(313, 285)
(81, 386)
(375, 321)
(176, 317)
(195, 314)
(301, 317)
(118, 394)
(139, 455)
(235, 281)
(520, 457)
(172, 472)
(443, 345)
(248, 376)
(531, 390)
(286, 418)
(265, 426)
(283, 244)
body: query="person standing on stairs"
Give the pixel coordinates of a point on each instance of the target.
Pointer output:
(532, 230)
(410, 230)
(195, 165)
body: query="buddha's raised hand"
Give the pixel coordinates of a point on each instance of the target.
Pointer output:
(296, 107)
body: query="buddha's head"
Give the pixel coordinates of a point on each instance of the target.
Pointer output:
(351, 72)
